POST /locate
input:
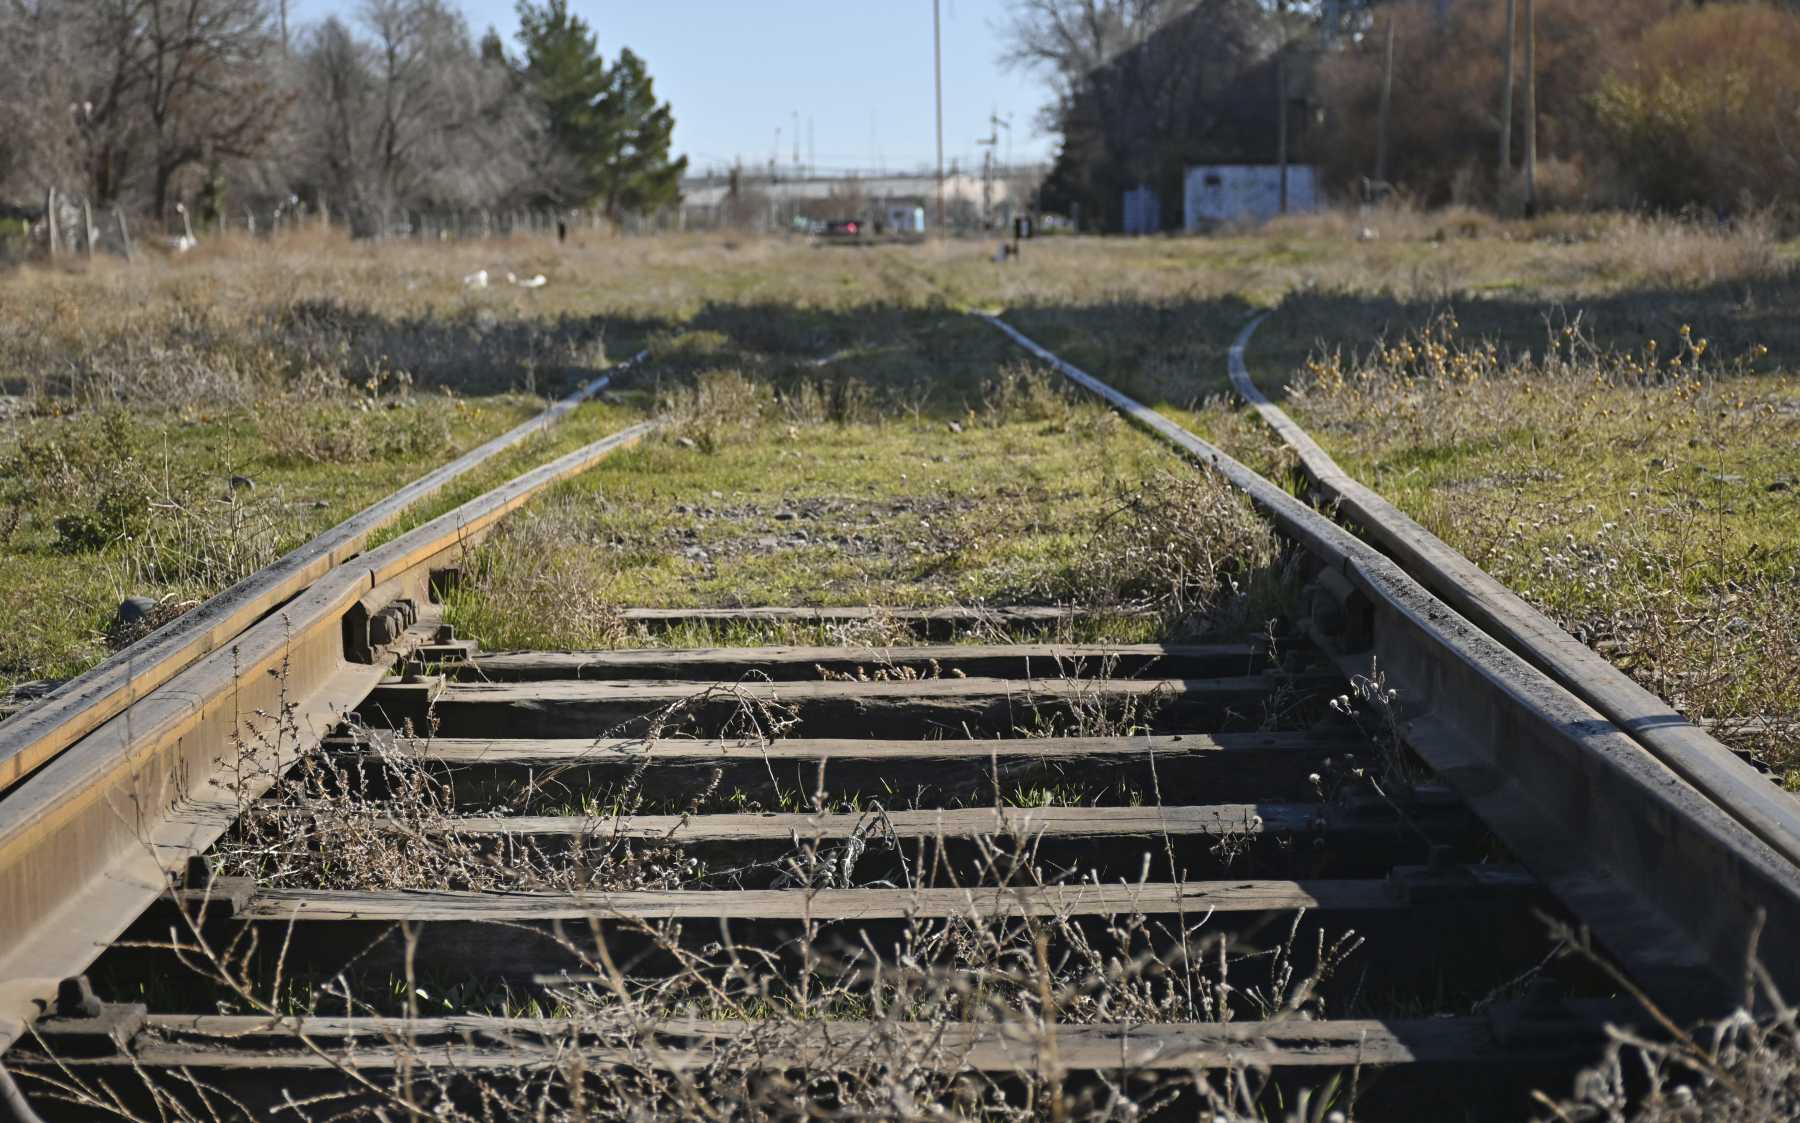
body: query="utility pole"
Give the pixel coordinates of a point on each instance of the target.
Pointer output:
(987, 144)
(937, 70)
(1281, 102)
(1530, 108)
(1506, 92)
(796, 143)
(1387, 106)
(991, 143)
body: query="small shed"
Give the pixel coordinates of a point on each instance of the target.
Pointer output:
(1219, 193)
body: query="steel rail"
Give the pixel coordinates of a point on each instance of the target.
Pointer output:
(1673, 884)
(38, 733)
(1695, 755)
(93, 837)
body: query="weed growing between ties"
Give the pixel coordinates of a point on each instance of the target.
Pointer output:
(1028, 495)
(1644, 501)
(723, 1028)
(1187, 546)
(745, 1031)
(1742, 1069)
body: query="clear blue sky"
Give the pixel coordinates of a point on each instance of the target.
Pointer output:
(736, 71)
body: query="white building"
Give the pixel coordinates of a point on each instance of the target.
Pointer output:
(1221, 193)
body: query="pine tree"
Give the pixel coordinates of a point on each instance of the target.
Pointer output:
(493, 48)
(604, 120)
(567, 73)
(637, 174)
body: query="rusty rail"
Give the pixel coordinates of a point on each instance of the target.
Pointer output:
(38, 733)
(94, 836)
(1700, 759)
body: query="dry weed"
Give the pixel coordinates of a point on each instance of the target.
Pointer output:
(717, 407)
(1187, 546)
(524, 579)
(1633, 497)
(731, 1029)
(1744, 1068)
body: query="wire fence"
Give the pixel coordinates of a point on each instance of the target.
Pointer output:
(68, 225)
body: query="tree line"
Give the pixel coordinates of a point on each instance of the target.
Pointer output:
(1669, 104)
(216, 104)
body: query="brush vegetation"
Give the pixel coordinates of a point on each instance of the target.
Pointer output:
(1646, 500)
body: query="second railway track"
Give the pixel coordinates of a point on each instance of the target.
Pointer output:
(971, 865)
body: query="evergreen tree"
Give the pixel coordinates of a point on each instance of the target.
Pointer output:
(493, 48)
(604, 120)
(636, 173)
(567, 74)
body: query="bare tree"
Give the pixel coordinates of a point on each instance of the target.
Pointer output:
(115, 99)
(41, 95)
(210, 83)
(139, 102)
(414, 114)
(337, 85)
(1168, 88)
(1068, 40)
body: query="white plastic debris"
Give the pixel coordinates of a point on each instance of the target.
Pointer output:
(186, 241)
(536, 282)
(476, 280)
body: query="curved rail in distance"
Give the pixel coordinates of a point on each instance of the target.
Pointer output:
(1699, 758)
(1672, 882)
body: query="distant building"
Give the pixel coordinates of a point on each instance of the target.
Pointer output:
(1214, 194)
(903, 203)
(906, 219)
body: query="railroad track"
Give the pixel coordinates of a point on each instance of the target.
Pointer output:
(983, 869)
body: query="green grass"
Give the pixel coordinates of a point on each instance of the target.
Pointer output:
(1652, 515)
(963, 477)
(105, 505)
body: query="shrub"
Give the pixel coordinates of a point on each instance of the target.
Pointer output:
(1705, 107)
(94, 469)
(1444, 134)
